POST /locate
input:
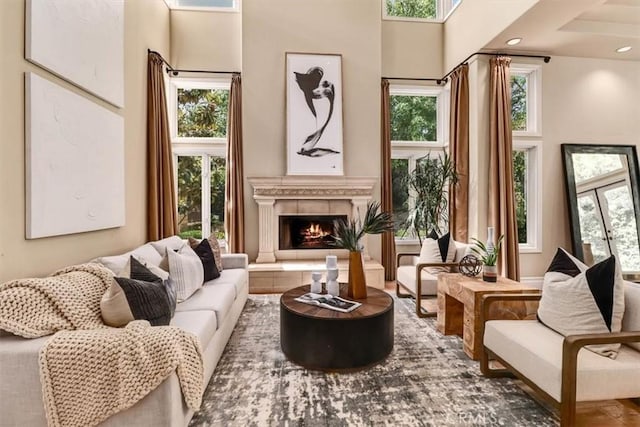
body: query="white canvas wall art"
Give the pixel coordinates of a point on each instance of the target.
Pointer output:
(74, 162)
(81, 41)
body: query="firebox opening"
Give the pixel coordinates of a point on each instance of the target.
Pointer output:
(307, 231)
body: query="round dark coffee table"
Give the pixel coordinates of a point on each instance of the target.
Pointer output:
(320, 338)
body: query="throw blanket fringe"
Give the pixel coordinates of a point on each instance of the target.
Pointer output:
(113, 369)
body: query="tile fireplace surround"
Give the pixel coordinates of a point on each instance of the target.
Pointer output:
(277, 270)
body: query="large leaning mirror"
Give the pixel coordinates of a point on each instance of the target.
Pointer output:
(604, 205)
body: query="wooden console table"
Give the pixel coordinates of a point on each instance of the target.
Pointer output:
(459, 305)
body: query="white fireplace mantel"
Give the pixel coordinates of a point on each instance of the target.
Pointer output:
(268, 190)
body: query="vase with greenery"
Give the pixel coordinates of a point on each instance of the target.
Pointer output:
(488, 254)
(429, 183)
(348, 235)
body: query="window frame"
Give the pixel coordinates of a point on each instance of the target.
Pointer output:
(413, 150)
(236, 8)
(440, 15)
(533, 179)
(533, 74)
(205, 147)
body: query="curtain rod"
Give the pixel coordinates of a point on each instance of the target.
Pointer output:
(175, 71)
(444, 79)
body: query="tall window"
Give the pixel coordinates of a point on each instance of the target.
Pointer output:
(198, 115)
(431, 10)
(527, 148)
(417, 129)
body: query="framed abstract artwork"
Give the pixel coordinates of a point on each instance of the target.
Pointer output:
(314, 114)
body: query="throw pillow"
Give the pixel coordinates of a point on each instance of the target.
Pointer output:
(185, 268)
(215, 248)
(436, 251)
(173, 242)
(130, 299)
(592, 301)
(203, 250)
(137, 268)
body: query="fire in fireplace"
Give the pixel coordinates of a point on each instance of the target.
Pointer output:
(307, 231)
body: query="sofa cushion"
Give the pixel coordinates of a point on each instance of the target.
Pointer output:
(186, 271)
(536, 352)
(237, 276)
(137, 268)
(438, 250)
(131, 299)
(590, 302)
(174, 243)
(202, 324)
(215, 248)
(406, 274)
(203, 250)
(117, 263)
(216, 297)
(631, 318)
(462, 249)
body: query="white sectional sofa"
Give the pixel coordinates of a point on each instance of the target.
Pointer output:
(211, 314)
(559, 368)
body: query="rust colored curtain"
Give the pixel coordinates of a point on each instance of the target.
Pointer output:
(162, 217)
(502, 207)
(388, 238)
(459, 151)
(234, 189)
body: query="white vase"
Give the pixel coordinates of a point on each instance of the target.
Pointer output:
(316, 282)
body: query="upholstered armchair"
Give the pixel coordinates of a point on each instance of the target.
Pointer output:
(420, 278)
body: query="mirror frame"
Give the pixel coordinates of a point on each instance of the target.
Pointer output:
(570, 182)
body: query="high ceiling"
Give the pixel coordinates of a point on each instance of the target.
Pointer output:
(585, 28)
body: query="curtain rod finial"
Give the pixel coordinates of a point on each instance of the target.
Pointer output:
(547, 59)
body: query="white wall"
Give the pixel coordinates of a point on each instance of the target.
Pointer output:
(206, 40)
(146, 26)
(412, 49)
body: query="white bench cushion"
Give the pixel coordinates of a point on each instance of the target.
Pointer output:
(536, 352)
(406, 275)
(202, 324)
(216, 297)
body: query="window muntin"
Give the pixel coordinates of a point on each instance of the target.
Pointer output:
(417, 129)
(198, 120)
(418, 10)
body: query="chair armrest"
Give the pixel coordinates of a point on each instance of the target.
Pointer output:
(422, 265)
(571, 346)
(489, 299)
(235, 261)
(405, 254)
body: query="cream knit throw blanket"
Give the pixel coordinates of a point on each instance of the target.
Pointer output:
(88, 370)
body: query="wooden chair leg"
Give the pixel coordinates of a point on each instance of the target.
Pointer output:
(398, 294)
(419, 311)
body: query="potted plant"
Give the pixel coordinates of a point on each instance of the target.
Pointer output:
(488, 254)
(347, 235)
(429, 183)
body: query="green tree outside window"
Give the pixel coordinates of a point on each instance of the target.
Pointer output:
(426, 9)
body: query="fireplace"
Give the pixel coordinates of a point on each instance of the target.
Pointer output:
(299, 196)
(307, 231)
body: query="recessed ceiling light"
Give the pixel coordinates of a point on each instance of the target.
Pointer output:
(623, 49)
(514, 41)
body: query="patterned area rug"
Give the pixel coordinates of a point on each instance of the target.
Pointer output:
(427, 380)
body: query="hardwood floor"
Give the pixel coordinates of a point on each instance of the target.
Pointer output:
(608, 413)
